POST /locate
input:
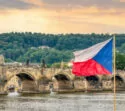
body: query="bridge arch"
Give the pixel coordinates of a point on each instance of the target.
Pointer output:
(92, 78)
(25, 75)
(117, 77)
(27, 81)
(62, 77)
(93, 82)
(120, 83)
(62, 81)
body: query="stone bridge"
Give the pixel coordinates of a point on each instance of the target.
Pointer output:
(33, 78)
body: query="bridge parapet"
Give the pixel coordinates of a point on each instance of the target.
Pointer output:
(30, 70)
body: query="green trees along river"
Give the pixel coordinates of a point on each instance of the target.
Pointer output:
(53, 48)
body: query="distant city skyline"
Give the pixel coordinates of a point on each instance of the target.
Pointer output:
(62, 16)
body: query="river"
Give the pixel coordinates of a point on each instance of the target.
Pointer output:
(62, 102)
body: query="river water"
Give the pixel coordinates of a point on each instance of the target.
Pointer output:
(62, 102)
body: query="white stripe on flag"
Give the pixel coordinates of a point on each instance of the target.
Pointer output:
(86, 54)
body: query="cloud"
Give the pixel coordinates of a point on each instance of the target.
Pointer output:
(50, 21)
(61, 4)
(16, 4)
(86, 3)
(34, 2)
(62, 16)
(122, 0)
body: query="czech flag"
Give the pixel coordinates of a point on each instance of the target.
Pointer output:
(94, 60)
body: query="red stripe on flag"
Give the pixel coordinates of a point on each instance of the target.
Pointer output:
(88, 68)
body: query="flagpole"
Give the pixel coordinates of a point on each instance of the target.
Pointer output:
(114, 70)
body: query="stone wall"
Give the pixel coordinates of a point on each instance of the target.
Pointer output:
(62, 85)
(44, 88)
(107, 85)
(28, 85)
(12, 82)
(80, 85)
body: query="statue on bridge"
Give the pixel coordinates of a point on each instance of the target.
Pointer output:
(27, 62)
(2, 59)
(43, 66)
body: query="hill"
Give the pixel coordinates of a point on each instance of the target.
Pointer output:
(52, 48)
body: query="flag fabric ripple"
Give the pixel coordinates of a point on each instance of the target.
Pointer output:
(94, 60)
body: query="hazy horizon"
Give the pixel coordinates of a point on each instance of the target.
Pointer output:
(62, 16)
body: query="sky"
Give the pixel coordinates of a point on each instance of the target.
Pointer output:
(62, 16)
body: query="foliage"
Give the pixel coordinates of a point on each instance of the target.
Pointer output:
(120, 61)
(21, 46)
(59, 65)
(49, 55)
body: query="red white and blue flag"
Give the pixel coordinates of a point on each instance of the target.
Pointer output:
(94, 60)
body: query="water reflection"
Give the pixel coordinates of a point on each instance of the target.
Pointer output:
(62, 102)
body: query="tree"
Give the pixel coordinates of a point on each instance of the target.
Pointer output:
(120, 61)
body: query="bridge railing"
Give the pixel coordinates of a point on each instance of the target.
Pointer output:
(33, 65)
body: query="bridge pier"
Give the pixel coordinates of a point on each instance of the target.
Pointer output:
(62, 83)
(80, 85)
(44, 85)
